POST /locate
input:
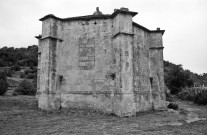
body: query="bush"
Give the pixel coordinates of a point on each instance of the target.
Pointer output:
(186, 95)
(33, 70)
(173, 106)
(3, 83)
(31, 76)
(22, 62)
(16, 67)
(25, 88)
(2, 63)
(22, 75)
(8, 73)
(35, 82)
(201, 98)
(27, 71)
(196, 95)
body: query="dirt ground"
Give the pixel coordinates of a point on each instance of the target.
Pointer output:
(19, 116)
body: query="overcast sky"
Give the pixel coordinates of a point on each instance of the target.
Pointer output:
(185, 22)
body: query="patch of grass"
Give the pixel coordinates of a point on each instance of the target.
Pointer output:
(19, 115)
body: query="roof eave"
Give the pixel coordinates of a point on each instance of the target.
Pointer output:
(158, 31)
(147, 30)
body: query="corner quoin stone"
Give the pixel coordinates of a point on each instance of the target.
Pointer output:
(99, 61)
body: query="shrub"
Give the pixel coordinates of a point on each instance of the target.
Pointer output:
(2, 63)
(33, 70)
(173, 106)
(25, 88)
(196, 95)
(186, 94)
(16, 67)
(8, 72)
(22, 75)
(3, 83)
(35, 82)
(27, 71)
(201, 98)
(31, 76)
(22, 62)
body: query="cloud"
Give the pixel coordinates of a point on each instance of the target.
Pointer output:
(184, 21)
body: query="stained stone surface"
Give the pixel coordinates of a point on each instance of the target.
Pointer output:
(104, 62)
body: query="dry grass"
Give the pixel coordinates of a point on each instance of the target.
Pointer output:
(19, 115)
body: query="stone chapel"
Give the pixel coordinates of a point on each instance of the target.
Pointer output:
(105, 62)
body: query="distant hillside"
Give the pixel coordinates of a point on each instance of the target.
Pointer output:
(10, 56)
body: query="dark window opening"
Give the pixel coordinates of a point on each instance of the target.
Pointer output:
(151, 81)
(113, 76)
(61, 78)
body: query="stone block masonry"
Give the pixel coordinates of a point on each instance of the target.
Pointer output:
(99, 61)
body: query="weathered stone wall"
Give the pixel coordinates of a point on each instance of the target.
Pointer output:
(123, 41)
(85, 61)
(43, 71)
(47, 65)
(148, 70)
(142, 88)
(104, 63)
(156, 70)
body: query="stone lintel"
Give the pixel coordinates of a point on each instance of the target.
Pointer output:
(123, 33)
(156, 48)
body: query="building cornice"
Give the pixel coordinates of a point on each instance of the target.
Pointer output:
(123, 33)
(50, 37)
(89, 17)
(117, 11)
(147, 30)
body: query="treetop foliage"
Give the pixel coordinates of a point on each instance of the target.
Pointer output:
(176, 78)
(10, 56)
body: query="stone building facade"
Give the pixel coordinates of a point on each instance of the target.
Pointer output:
(100, 61)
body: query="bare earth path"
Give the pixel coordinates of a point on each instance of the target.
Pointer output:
(19, 115)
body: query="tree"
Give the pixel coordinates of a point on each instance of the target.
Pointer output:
(2, 63)
(3, 83)
(22, 56)
(176, 78)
